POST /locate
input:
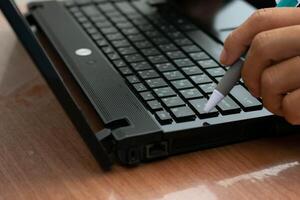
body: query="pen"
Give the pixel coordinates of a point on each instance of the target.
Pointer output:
(233, 75)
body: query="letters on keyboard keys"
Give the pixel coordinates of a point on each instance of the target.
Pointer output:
(192, 70)
(228, 106)
(208, 63)
(140, 87)
(191, 49)
(148, 74)
(208, 88)
(199, 105)
(182, 84)
(173, 102)
(183, 114)
(147, 96)
(201, 79)
(154, 105)
(199, 56)
(164, 67)
(164, 92)
(173, 75)
(163, 117)
(139, 66)
(215, 72)
(248, 102)
(191, 93)
(184, 62)
(155, 83)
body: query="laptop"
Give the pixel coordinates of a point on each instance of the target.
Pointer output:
(147, 69)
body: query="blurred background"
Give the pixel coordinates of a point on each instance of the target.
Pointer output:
(257, 3)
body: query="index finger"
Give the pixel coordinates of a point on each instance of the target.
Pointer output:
(262, 20)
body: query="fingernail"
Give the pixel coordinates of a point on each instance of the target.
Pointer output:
(223, 57)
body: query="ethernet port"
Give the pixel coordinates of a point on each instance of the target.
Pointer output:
(157, 150)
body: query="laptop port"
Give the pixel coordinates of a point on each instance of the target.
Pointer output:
(133, 155)
(156, 150)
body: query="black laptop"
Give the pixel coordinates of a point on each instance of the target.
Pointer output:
(147, 69)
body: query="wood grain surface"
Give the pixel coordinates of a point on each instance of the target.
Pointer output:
(42, 156)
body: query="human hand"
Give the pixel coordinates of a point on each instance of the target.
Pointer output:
(272, 66)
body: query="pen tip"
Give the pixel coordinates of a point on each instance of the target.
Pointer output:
(214, 99)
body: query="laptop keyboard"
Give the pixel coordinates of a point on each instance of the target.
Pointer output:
(166, 69)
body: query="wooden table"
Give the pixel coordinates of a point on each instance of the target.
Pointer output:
(43, 157)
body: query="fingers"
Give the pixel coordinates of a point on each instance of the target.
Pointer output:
(262, 20)
(267, 48)
(277, 81)
(291, 107)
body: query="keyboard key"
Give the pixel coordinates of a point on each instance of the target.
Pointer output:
(139, 66)
(99, 18)
(155, 83)
(161, 40)
(208, 63)
(201, 79)
(125, 71)
(199, 104)
(121, 43)
(199, 56)
(174, 34)
(119, 63)
(102, 43)
(115, 36)
(173, 75)
(192, 70)
(83, 2)
(248, 102)
(157, 59)
(150, 52)
(154, 105)
(215, 72)
(164, 92)
(143, 45)
(148, 74)
(139, 87)
(109, 30)
(173, 102)
(92, 30)
(107, 7)
(108, 49)
(132, 79)
(96, 36)
(182, 84)
(191, 49)
(183, 114)
(163, 117)
(127, 50)
(153, 33)
(134, 58)
(191, 93)
(184, 62)
(136, 38)
(113, 56)
(165, 67)
(183, 42)
(168, 47)
(176, 54)
(208, 88)
(130, 31)
(147, 96)
(228, 106)
(103, 24)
